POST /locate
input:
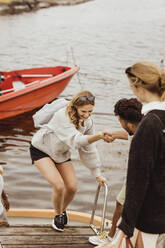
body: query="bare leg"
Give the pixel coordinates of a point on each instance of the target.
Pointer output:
(48, 169)
(116, 217)
(139, 241)
(67, 172)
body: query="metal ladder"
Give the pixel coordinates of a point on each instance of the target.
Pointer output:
(104, 209)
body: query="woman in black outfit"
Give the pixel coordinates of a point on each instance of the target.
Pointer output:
(144, 207)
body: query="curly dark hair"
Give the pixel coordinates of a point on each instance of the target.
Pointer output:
(129, 110)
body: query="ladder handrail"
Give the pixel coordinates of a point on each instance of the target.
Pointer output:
(104, 209)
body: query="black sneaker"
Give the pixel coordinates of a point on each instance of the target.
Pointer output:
(65, 216)
(58, 223)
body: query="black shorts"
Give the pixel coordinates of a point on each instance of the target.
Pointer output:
(36, 154)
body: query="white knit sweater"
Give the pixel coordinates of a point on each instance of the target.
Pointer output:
(59, 137)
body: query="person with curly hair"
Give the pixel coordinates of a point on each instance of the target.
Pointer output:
(129, 115)
(70, 129)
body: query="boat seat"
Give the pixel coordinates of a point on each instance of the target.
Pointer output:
(18, 85)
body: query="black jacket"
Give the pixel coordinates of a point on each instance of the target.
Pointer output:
(144, 206)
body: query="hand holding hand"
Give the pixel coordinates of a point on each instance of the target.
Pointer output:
(107, 136)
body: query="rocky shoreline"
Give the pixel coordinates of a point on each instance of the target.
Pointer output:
(18, 6)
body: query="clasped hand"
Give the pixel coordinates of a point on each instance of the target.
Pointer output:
(107, 136)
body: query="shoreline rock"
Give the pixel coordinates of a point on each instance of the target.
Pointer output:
(10, 7)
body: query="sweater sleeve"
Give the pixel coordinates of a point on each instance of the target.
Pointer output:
(90, 158)
(140, 164)
(66, 131)
(89, 154)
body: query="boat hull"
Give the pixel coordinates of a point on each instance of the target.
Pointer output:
(35, 95)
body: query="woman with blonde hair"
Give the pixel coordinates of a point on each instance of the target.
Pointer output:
(70, 128)
(144, 206)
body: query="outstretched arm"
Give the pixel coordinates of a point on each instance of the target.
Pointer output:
(108, 136)
(119, 134)
(104, 135)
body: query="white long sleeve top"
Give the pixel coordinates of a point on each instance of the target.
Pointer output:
(59, 137)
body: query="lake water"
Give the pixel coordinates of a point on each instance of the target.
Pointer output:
(103, 37)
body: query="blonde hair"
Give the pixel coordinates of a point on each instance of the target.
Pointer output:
(78, 102)
(148, 76)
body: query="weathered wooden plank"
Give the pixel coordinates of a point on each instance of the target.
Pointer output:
(44, 230)
(44, 236)
(43, 239)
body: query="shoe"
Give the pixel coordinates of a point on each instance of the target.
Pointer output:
(65, 216)
(99, 239)
(58, 223)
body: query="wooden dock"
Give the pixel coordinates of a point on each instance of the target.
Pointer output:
(43, 236)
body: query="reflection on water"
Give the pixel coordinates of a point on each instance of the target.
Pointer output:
(103, 38)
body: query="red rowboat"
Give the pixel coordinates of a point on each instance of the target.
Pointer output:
(24, 90)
